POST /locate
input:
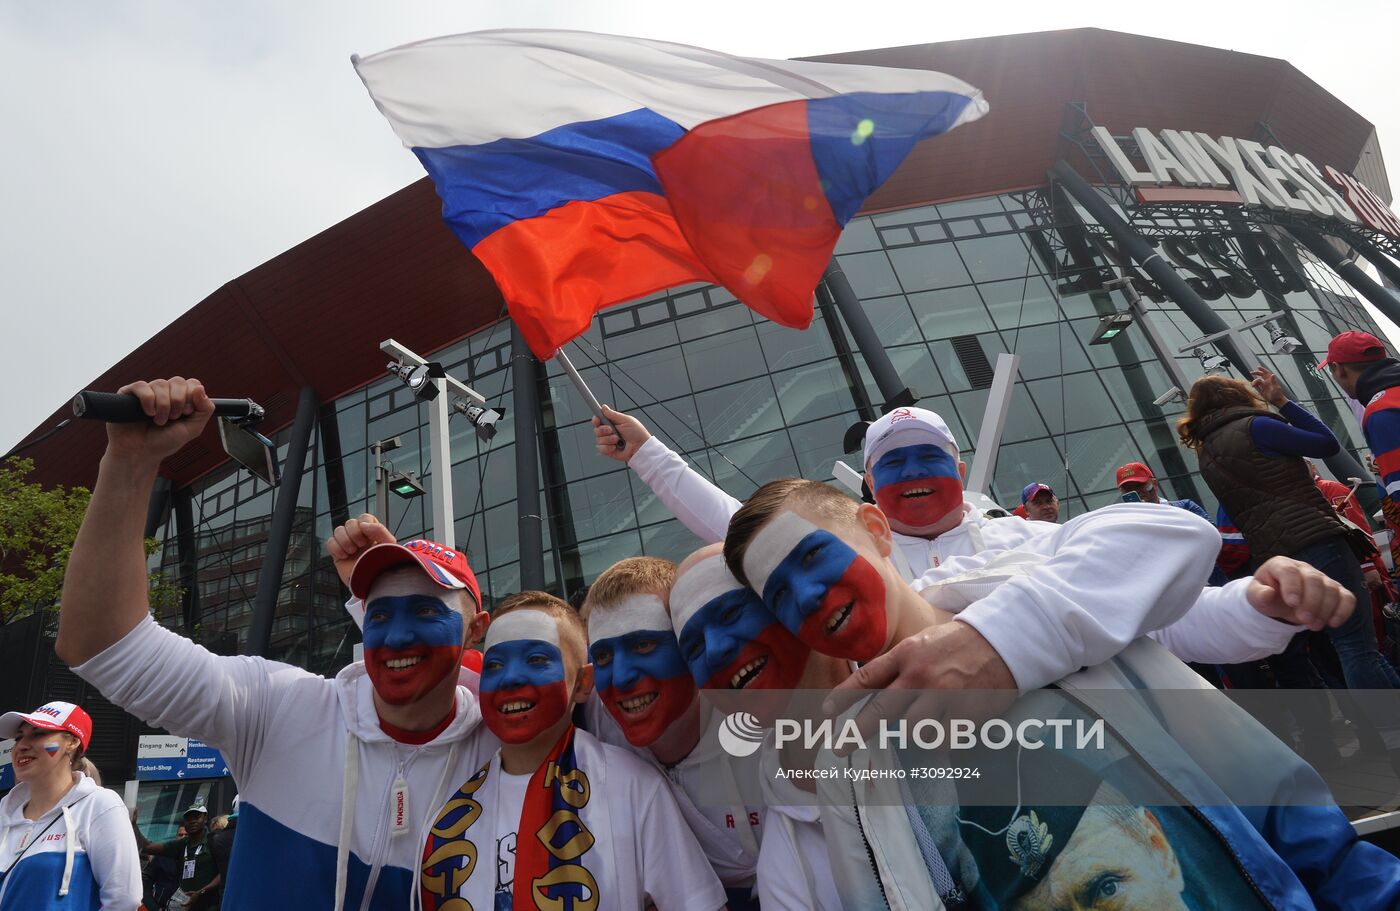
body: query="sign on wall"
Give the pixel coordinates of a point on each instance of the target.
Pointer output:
(163, 756)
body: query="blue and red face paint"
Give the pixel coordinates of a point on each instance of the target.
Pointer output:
(643, 682)
(523, 688)
(734, 642)
(420, 636)
(829, 596)
(917, 485)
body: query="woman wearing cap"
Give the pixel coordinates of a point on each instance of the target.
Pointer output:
(65, 842)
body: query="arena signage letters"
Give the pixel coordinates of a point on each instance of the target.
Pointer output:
(1230, 170)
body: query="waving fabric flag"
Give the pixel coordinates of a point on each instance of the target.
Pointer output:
(586, 170)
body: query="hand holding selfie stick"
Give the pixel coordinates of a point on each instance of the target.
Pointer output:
(588, 397)
(125, 408)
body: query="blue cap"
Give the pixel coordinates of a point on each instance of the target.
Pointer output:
(1034, 488)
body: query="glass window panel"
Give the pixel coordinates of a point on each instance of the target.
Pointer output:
(1020, 302)
(819, 444)
(994, 258)
(965, 227)
(618, 320)
(721, 359)
(601, 506)
(930, 232)
(1018, 464)
(676, 422)
(740, 410)
(992, 223)
(814, 391)
(578, 453)
(1134, 388)
(859, 234)
(763, 459)
(406, 517)
(1081, 395)
(784, 347)
(716, 320)
(566, 406)
(501, 531)
(893, 321)
(351, 424)
(669, 541)
(691, 302)
(983, 206)
(380, 406)
(1094, 455)
(498, 476)
(398, 423)
(501, 582)
(950, 312)
(892, 237)
(870, 274)
(654, 375)
(906, 216)
(650, 338)
(1048, 350)
(928, 267)
(596, 556)
(915, 368)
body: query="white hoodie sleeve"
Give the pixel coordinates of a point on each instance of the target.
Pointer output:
(701, 506)
(111, 849)
(1109, 576)
(1224, 628)
(169, 681)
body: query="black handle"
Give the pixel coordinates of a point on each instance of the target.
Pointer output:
(125, 408)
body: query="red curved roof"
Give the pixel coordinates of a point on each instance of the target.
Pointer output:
(316, 313)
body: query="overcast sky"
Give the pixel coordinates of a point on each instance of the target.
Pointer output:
(155, 150)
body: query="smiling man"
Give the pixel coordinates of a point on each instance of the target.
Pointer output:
(331, 773)
(557, 819)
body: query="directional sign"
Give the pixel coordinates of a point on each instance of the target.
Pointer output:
(7, 771)
(162, 756)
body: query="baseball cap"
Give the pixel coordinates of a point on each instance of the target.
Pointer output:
(907, 427)
(1033, 488)
(197, 807)
(51, 716)
(445, 566)
(1354, 348)
(1134, 473)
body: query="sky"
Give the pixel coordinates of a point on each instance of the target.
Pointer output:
(155, 150)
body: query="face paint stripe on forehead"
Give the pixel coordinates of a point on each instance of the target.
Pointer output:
(698, 586)
(633, 613)
(523, 624)
(772, 543)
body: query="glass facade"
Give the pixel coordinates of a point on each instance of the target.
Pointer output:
(948, 287)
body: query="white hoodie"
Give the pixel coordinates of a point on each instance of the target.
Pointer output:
(81, 854)
(314, 769)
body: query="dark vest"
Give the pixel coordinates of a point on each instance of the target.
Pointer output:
(1272, 499)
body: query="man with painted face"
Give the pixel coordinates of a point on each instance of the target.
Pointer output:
(555, 818)
(643, 682)
(912, 466)
(337, 778)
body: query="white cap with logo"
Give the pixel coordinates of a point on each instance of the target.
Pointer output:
(907, 427)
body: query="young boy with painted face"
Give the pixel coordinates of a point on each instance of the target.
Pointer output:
(644, 684)
(556, 819)
(797, 541)
(337, 778)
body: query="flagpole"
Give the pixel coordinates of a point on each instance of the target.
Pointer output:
(588, 397)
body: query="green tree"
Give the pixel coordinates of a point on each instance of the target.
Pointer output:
(37, 529)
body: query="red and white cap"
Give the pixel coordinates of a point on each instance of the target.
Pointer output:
(51, 716)
(443, 565)
(1134, 473)
(907, 427)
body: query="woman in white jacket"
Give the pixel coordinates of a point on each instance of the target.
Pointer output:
(65, 842)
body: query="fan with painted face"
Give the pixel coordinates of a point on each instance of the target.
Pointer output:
(912, 467)
(641, 678)
(531, 674)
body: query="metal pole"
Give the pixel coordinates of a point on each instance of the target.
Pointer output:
(381, 484)
(279, 535)
(1349, 272)
(1384, 264)
(158, 506)
(844, 356)
(984, 462)
(1155, 341)
(1132, 243)
(588, 397)
(527, 477)
(440, 432)
(887, 380)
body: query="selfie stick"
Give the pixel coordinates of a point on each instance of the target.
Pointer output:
(125, 408)
(588, 397)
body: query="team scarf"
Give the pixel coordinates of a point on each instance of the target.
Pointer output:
(825, 593)
(562, 856)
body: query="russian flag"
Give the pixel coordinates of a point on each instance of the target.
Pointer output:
(586, 170)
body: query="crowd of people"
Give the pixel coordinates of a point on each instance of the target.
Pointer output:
(557, 755)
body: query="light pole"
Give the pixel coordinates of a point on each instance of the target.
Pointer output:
(381, 477)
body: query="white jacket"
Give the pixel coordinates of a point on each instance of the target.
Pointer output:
(1083, 604)
(81, 854)
(314, 769)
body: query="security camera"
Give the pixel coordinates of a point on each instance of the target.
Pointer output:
(1283, 343)
(1217, 364)
(1171, 395)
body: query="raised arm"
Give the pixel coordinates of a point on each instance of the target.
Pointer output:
(104, 590)
(699, 505)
